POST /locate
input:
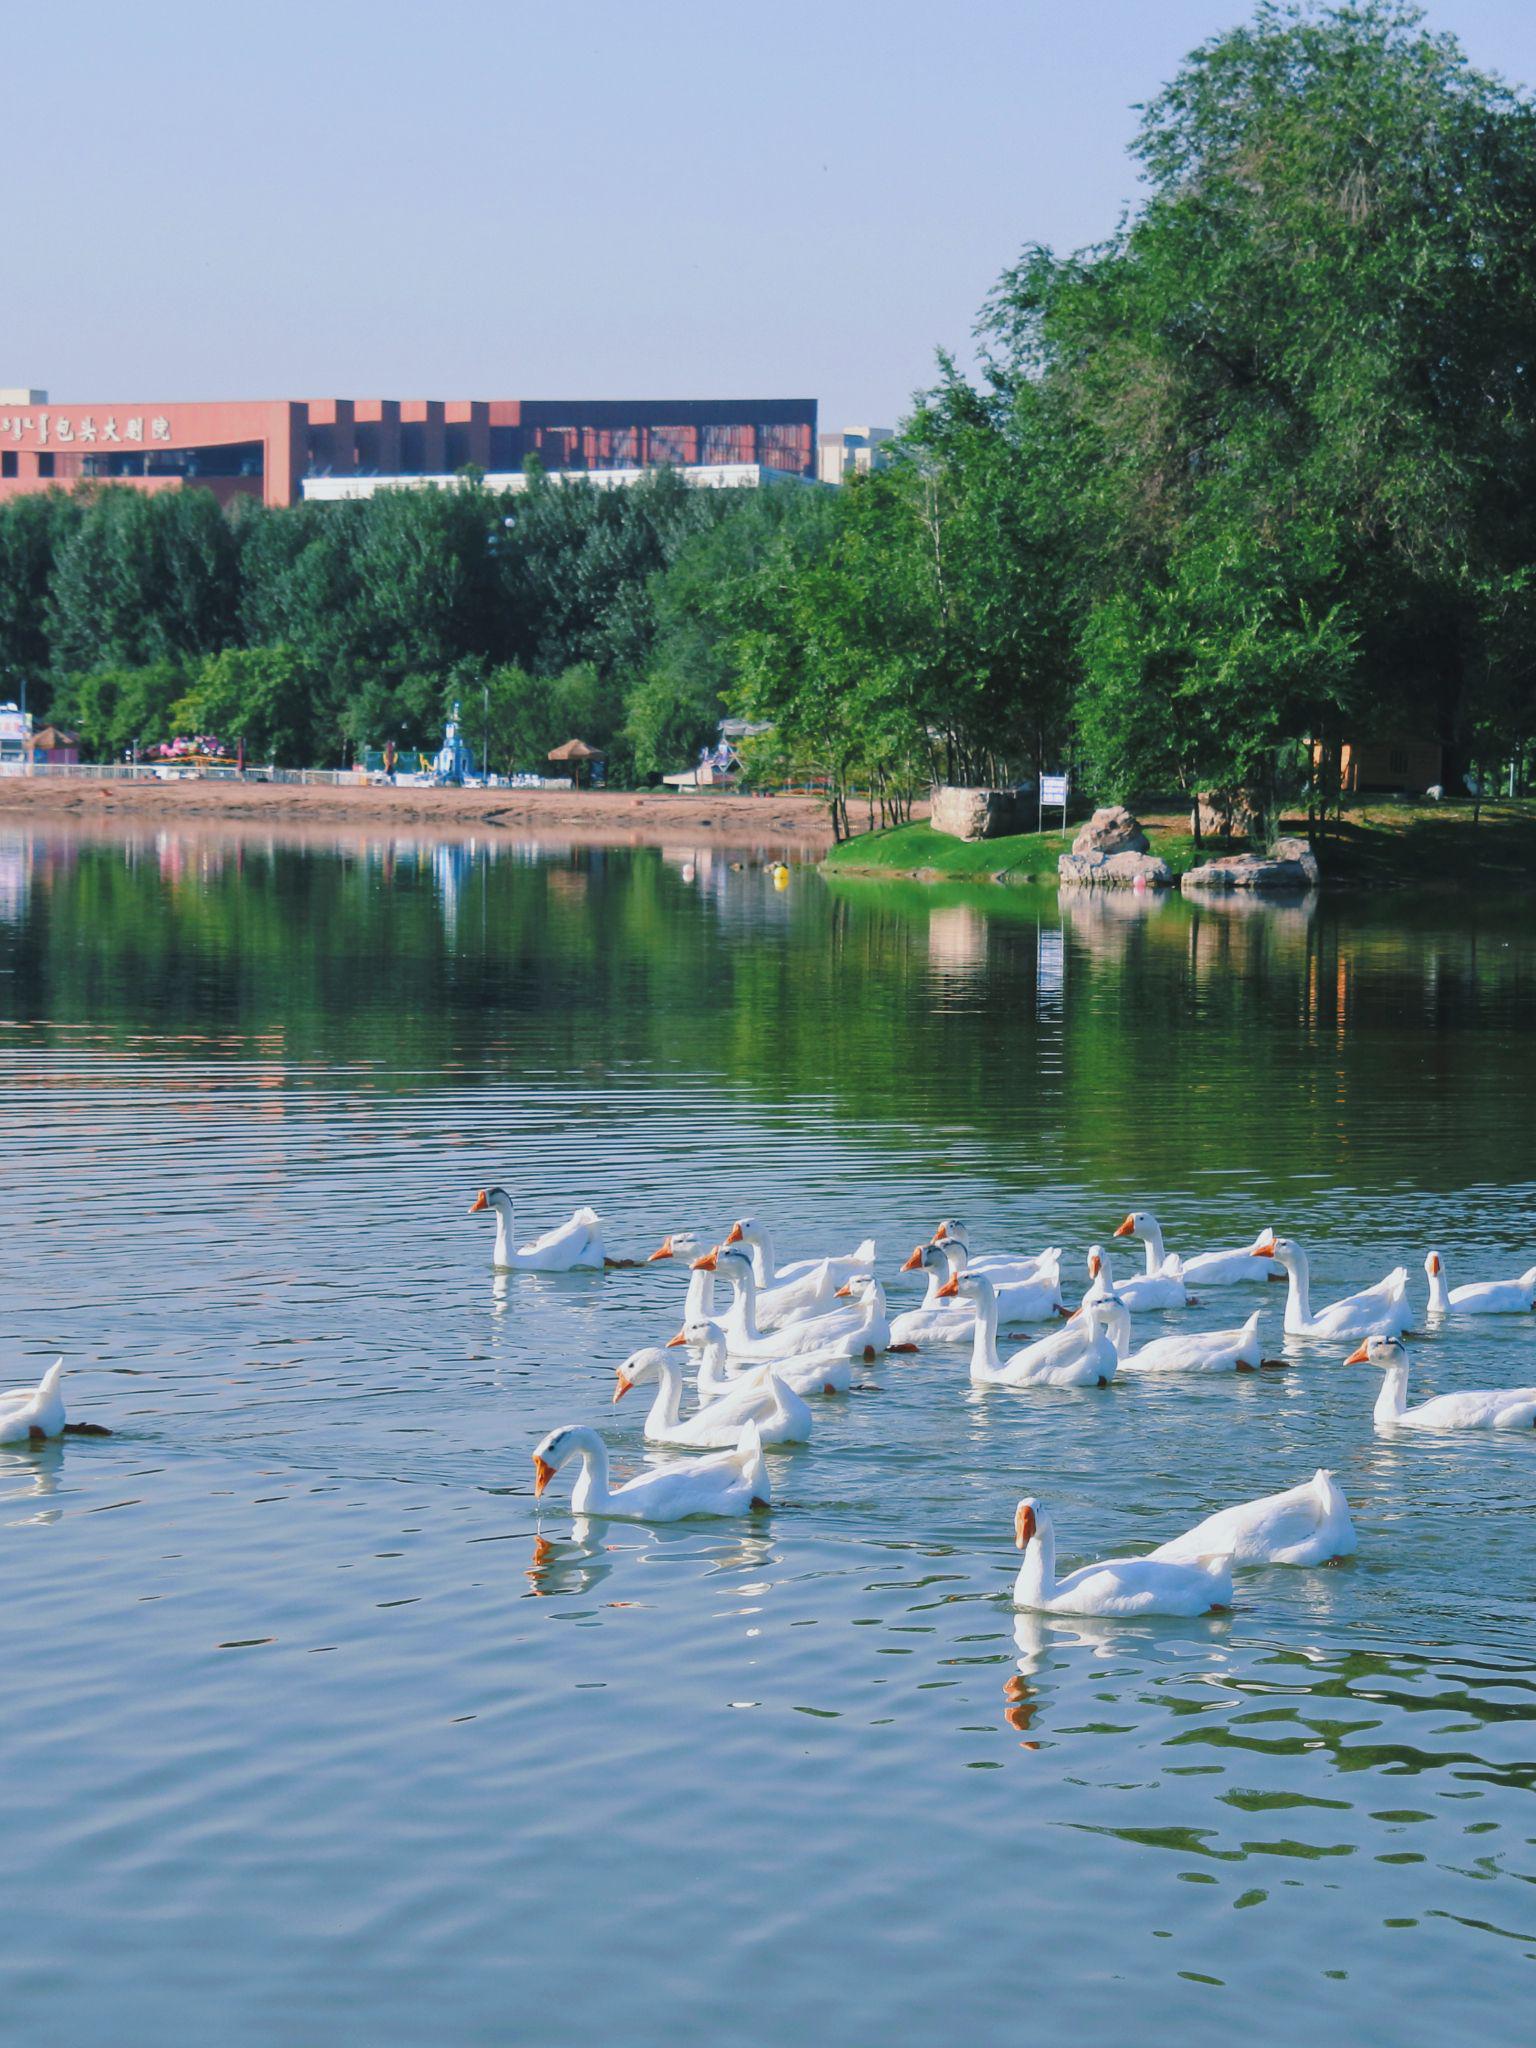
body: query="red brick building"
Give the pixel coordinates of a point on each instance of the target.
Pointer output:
(265, 448)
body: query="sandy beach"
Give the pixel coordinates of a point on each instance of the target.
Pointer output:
(597, 817)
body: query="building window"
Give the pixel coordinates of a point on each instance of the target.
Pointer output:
(8, 463)
(45, 465)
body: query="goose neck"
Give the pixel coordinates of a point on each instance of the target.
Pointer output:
(1036, 1584)
(1152, 1244)
(984, 1343)
(1392, 1401)
(590, 1495)
(667, 1408)
(501, 1202)
(1298, 1289)
(1439, 1292)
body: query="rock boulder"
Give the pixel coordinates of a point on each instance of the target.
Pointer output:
(1094, 870)
(981, 813)
(1290, 865)
(1110, 830)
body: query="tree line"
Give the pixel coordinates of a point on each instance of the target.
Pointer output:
(1253, 477)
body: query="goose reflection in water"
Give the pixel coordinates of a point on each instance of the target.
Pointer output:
(27, 1474)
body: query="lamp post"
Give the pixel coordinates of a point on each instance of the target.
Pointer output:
(485, 735)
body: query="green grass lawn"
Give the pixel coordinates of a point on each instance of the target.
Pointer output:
(1026, 857)
(1376, 845)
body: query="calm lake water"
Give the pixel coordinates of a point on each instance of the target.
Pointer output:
(318, 1728)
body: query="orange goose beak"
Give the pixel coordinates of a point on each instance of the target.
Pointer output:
(1263, 1251)
(735, 1234)
(673, 1342)
(911, 1265)
(543, 1472)
(1023, 1524)
(621, 1387)
(1127, 1228)
(951, 1286)
(1360, 1357)
(663, 1251)
(710, 1263)
(481, 1201)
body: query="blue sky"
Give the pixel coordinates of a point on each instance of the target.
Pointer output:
(582, 198)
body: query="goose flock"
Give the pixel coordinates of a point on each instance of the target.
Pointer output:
(787, 1334)
(763, 1341)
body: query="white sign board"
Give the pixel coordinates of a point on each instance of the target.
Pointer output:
(1053, 790)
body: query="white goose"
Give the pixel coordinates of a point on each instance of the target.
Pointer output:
(1060, 1346)
(758, 1238)
(811, 1372)
(1202, 1351)
(577, 1243)
(1490, 1408)
(1478, 1297)
(1120, 1586)
(781, 1416)
(1307, 1524)
(861, 1327)
(726, 1483)
(934, 1321)
(1231, 1268)
(1001, 1268)
(1379, 1311)
(1162, 1284)
(30, 1414)
(1143, 1292)
(1091, 1364)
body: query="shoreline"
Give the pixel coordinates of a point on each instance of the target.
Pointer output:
(797, 824)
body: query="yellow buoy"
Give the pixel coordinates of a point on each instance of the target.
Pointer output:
(780, 875)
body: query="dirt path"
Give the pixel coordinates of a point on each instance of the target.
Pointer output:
(606, 817)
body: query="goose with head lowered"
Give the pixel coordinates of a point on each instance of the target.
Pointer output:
(1478, 1297)
(1162, 1284)
(569, 1245)
(862, 1326)
(1091, 1362)
(32, 1414)
(780, 1414)
(1123, 1587)
(725, 1483)
(808, 1373)
(1202, 1351)
(1481, 1408)
(1307, 1524)
(1379, 1311)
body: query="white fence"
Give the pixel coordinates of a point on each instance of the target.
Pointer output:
(167, 771)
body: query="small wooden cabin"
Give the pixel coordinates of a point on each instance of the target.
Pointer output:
(1413, 765)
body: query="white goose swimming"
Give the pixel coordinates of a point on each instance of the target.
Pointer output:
(1001, 1268)
(1379, 1311)
(934, 1321)
(863, 1326)
(809, 1373)
(1307, 1524)
(1231, 1268)
(1478, 1297)
(780, 1414)
(1142, 1293)
(1483, 1408)
(577, 1243)
(1202, 1351)
(1062, 1345)
(725, 1483)
(758, 1239)
(31, 1414)
(1091, 1363)
(1162, 1284)
(1120, 1586)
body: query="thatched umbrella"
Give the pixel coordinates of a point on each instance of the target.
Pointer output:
(578, 757)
